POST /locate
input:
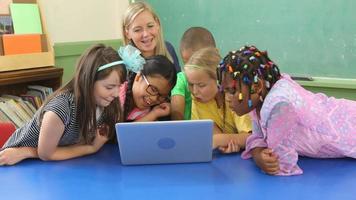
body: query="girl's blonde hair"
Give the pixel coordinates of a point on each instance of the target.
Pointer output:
(131, 13)
(206, 59)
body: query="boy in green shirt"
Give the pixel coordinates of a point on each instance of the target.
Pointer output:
(193, 39)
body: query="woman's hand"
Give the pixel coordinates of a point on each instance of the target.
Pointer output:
(266, 159)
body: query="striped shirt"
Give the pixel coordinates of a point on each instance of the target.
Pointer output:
(62, 105)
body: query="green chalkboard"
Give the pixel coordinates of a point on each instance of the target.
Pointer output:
(304, 37)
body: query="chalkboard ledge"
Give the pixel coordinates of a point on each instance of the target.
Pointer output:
(330, 83)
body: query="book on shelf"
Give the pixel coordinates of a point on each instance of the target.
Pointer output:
(6, 108)
(20, 109)
(4, 117)
(6, 24)
(26, 18)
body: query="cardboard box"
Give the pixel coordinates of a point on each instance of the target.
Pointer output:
(31, 60)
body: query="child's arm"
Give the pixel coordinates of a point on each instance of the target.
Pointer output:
(177, 107)
(228, 143)
(160, 110)
(52, 129)
(11, 156)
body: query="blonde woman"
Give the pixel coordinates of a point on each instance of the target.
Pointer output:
(142, 28)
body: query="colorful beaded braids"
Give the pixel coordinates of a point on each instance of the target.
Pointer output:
(247, 66)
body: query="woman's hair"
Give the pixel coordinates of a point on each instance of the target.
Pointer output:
(205, 59)
(82, 86)
(248, 65)
(155, 66)
(131, 13)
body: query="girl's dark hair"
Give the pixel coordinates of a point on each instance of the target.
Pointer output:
(157, 65)
(248, 65)
(82, 86)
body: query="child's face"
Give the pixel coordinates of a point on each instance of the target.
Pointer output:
(106, 90)
(202, 86)
(150, 90)
(232, 90)
(144, 31)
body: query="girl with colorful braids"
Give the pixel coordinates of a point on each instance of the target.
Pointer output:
(230, 130)
(288, 121)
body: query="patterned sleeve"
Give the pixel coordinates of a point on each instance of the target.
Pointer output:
(281, 128)
(60, 105)
(256, 139)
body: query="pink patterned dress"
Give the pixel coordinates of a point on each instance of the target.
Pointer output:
(294, 121)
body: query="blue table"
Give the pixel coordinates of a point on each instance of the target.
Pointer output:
(101, 176)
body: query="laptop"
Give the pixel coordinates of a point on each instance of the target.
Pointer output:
(163, 142)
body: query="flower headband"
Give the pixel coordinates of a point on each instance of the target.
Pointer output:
(131, 58)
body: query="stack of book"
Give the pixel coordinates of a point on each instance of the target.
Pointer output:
(20, 109)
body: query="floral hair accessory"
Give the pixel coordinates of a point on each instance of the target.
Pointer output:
(130, 56)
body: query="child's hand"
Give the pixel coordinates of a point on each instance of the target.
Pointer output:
(266, 160)
(162, 109)
(11, 156)
(101, 137)
(232, 147)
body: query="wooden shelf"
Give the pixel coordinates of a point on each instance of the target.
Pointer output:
(16, 82)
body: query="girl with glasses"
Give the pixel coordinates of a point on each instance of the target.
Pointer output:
(146, 94)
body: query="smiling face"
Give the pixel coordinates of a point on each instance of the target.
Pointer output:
(106, 90)
(144, 31)
(202, 86)
(150, 90)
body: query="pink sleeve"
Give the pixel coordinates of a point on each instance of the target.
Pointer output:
(256, 139)
(281, 129)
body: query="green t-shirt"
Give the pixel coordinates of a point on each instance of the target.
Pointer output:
(181, 88)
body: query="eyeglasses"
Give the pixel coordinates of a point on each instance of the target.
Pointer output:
(153, 91)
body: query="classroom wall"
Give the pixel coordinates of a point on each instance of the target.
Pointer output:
(83, 20)
(73, 26)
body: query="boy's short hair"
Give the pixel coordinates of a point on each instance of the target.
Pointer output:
(196, 38)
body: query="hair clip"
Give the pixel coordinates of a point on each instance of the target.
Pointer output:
(247, 52)
(230, 69)
(261, 98)
(240, 96)
(268, 85)
(256, 79)
(246, 80)
(238, 60)
(130, 56)
(249, 103)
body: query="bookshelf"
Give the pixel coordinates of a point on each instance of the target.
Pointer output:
(16, 82)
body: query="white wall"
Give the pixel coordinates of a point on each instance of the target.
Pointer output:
(83, 20)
